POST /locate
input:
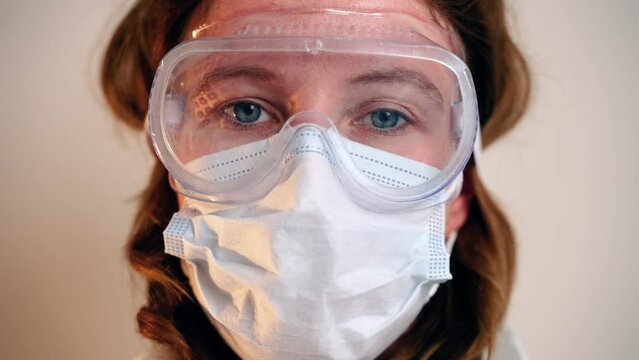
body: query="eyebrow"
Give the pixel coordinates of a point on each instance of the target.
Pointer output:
(398, 74)
(231, 72)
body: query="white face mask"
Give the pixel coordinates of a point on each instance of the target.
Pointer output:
(306, 273)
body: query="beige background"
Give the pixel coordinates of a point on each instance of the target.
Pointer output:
(567, 176)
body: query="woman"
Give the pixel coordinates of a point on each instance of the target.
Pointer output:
(276, 252)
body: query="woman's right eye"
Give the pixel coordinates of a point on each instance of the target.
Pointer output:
(247, 112)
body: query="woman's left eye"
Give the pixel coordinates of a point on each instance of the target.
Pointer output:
(385, 119)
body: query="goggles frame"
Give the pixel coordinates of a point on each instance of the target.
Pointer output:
(440, 189)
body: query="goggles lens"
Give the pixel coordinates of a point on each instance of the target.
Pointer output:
(211, 99)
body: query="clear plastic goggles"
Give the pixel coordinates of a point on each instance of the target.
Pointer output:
(227, 99)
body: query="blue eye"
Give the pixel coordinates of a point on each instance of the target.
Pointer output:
(247, 112)
(385, 118)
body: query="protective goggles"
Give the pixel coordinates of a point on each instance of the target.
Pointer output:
(227, 113)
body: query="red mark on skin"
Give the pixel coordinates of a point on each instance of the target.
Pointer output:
(202, 107)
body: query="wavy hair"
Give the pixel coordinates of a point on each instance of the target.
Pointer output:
(463, 318)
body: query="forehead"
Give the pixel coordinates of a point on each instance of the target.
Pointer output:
(227, 17)
(296, 72)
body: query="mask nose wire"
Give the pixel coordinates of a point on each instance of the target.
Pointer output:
(310, 118)
(315, 121)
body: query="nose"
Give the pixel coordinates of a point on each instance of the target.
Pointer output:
(313, 102)
(314, 118)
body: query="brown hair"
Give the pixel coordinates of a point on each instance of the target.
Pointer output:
(461, 320)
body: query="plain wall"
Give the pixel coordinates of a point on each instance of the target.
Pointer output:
(567, 176)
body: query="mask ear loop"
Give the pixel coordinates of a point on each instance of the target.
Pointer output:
(477, 154)
(452, 238)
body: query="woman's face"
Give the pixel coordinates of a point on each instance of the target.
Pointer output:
(300, 86)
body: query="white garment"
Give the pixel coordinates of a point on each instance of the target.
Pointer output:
(508, 347)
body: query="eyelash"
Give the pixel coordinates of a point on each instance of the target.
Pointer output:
(221, 112)
(371, 107)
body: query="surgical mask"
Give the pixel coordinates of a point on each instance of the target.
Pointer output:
(306, 272)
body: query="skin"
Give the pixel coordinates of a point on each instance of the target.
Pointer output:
(424, 22)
